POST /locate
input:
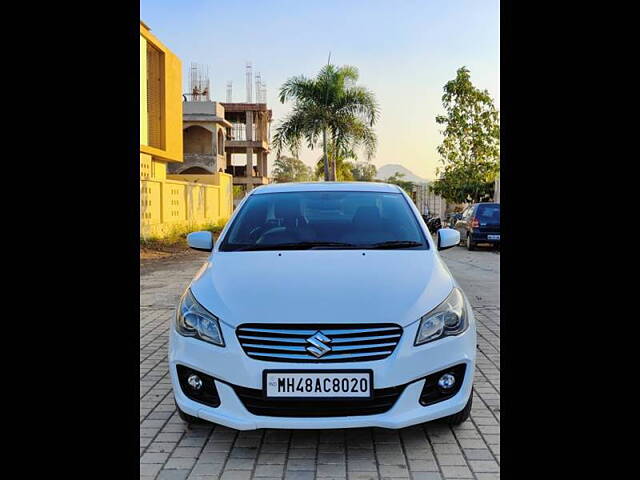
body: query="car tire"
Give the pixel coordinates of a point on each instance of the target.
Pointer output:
(190, 419)
(461, 416)
(470, 245)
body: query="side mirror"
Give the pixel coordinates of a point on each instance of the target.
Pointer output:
(200, 241)
(447, 238)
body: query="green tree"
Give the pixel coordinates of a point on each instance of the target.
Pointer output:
(363, 171)
(290, 169)
(470, 150)
(342, 166)
(330, 110)
(406, 185)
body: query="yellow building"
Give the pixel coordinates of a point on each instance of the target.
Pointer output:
(168, 202)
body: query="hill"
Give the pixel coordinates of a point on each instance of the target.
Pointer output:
(388, 170)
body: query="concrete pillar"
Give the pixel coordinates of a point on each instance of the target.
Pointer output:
(228, 161)
(249, 169)
(264, 164)
(260, 164)
(249, 125)
(249, 138)
(260, 124)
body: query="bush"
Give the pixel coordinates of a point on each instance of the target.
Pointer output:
(176, 235)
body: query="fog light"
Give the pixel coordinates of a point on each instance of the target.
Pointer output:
(446, 381)
(194, 382)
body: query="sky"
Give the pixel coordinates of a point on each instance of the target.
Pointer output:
(405, 51)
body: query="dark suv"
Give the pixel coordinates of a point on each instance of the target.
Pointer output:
(480, 223)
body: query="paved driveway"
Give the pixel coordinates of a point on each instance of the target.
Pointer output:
(170, 450)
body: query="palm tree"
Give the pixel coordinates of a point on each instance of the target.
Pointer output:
(329, 106)
(341, 166)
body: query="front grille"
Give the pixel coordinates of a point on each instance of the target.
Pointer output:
(254, 401)
(338, 342)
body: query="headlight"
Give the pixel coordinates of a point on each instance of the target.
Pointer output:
(448, 318)
(193, 320)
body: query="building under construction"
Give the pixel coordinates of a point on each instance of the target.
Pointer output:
(249, 137)
(214, 131)
(250, 132)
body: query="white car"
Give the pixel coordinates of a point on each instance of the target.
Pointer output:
(323, 305)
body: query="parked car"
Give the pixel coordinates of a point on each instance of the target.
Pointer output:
(480, 223)
(323, 305)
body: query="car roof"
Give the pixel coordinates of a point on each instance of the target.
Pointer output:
(326, 187)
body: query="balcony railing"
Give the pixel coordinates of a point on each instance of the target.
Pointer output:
(239, 133)
(196, 97)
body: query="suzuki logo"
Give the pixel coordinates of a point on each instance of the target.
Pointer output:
(318, 345)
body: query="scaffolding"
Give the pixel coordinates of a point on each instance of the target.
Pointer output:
(249, 82)
(258, 86)
(263, 93)
(261, 89)
(199, 85)
(229, 91)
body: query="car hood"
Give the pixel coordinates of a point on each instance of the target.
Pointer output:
(322, 286)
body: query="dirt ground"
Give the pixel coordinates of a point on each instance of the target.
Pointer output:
(153, 251)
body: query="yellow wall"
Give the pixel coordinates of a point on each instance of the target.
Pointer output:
(172, 109)
(144, 133)
(169, 201)
(145, 166)
(202, 178)
(173, 103)
(166, 204)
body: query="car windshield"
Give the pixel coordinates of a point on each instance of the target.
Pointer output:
(324, 220)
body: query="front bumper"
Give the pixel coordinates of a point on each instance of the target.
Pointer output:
(407, 365)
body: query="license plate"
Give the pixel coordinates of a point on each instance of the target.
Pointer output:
(318, 384)
(493, 237)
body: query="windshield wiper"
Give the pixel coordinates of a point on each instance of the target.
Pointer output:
(295, 246)
(396, 244)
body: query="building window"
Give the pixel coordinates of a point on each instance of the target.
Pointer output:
(197, 139)
(220, 142)
(155, 91)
